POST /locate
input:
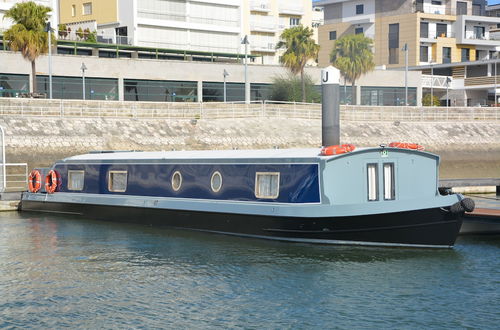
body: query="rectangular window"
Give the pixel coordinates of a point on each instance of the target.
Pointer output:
(358, 30)
(389, 186)
(294, 21)
(419, 6)
(461, 8)
(360, 9)
(73, 10)
(479, 32)
(446, 54)
(394, 35)
(117, 181)
(424, 30)
(476, 10)
(441, 30)
(372, 182)
(75, 180)
(267, 185)
(465, 54)
(424, 54)
(87, 8)
(333, 35)
(436, 3)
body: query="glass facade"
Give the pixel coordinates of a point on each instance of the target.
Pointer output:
(11, 85)
(71, 87)
(388, 96)
(214, 92)
(160, 90)
(260, 92)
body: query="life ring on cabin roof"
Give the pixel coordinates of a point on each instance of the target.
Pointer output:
(337, 149)
(34, 181)
(52, 181)
(403, 145)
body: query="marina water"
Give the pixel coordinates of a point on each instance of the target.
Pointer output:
(60, 271)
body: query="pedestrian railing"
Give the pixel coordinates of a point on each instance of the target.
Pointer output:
(221, 110)
(17, 177)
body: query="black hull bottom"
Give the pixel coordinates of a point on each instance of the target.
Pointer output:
(419, 228)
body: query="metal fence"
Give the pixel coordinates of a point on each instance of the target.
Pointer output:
(17, 177)
(221, 110)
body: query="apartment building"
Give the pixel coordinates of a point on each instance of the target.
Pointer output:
(211, 25)
(5, 5)
(264, 21)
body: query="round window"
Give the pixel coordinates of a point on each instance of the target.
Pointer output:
(176, 180)
(216, 181)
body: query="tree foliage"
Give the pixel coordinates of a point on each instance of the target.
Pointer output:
(289, 88)
(27, 35)
(299, 47)
(428, 101)
(352, 55)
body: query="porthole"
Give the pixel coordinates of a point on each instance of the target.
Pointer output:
(176, 180)
(216, 181)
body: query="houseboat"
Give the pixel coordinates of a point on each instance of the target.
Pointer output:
(384, 196)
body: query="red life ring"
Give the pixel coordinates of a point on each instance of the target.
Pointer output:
(403, 145)
(337, 149)
(34, 181)
(52, 181)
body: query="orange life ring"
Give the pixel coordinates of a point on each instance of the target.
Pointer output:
(34, 181)
(404, 145)
(337, 149)
(51, 181)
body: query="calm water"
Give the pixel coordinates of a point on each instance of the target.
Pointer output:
(68, 272)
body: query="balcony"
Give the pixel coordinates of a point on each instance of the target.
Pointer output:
(290, 8)
(261, 6)
(481, 81)
(263, 25)
(263, 47)
(437, 82)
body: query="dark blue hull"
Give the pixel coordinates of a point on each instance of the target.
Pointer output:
(434, 227)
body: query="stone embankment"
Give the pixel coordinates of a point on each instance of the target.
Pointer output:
(469, 147)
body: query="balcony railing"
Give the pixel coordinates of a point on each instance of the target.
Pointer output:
(429, 81)
(440, 35)
(263, 47)
(477, 81)
(260, 6)
(444, 10)
(290, 8)
(263, 25)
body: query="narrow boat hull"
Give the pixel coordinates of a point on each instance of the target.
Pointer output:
(434, 227)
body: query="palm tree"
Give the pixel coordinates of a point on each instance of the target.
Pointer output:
(27, 35)
(299, 48)
(352, 55)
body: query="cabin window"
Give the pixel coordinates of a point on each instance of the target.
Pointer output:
(216, 181)
(389, 187)
(372, 182)
(117, 181)
(267, 185)
(176, 180)
(75, 180)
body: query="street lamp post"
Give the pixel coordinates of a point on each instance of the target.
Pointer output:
(225, 74)
(247, 90)
(495, 64)
(448, 80)
(48, 29)
(432, 83)
(405, 49)
(83, 68)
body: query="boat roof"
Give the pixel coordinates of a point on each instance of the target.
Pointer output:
(306, 154)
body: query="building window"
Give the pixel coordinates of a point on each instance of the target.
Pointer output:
(333, 35)
(389, 186)
(216, 181)
(75, 180)
(393, 43)
(424, 30)
(372, 182)
(424, 54)
(87, 8)
(388, 96)
(465, 54)
(117, 181)
(476, 10)
(73, 10)
(461, 8)
(294, 21)
(441, 30)
(446, 54)
(358, 30)
(436, 3)
(176, 181)
(267, 185)
(479, 32)
(360, 9)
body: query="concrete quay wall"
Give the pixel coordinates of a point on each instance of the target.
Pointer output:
(467, 148)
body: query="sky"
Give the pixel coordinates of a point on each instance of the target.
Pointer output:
(493, 2)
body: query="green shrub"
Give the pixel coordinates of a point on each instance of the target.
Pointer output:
(288, 88)
(427, 101)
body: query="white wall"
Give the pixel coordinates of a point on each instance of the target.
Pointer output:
(349, 10)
